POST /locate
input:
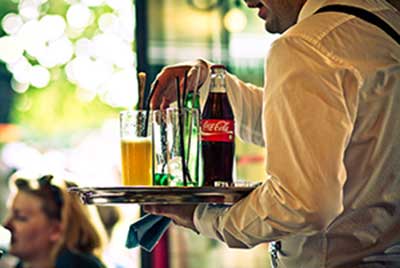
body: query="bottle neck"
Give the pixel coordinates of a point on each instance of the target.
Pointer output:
(218, 81)
(218, 90)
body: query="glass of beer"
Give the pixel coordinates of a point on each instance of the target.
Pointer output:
(136, 148)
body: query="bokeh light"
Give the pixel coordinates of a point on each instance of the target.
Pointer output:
(10, 49)
(121, 89)
(11, 23)
(235, 20)
(93, 3)
(52, 26)
(20, 70)
(37, 42)
(29, 9)
(39, 76)
(19, 87)
(79, 16)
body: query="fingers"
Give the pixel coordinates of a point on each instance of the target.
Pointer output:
(154, 209)
(166, 88)
(180, 214)
(165, 103)
(163, 209)
(171, 211)
(193, 78)
(165, 91)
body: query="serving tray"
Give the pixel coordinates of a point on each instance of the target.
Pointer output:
(160, 195)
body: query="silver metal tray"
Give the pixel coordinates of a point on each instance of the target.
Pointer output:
(160, 195)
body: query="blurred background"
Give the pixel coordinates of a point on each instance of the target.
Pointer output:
(68, 67)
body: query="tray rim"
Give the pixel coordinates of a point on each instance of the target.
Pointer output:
(163, 188)
(161, 194)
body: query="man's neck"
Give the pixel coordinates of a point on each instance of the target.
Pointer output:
(395, 3)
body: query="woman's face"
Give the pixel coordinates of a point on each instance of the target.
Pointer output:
(32, 232)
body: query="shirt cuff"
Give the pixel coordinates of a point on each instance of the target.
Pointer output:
(206, 218)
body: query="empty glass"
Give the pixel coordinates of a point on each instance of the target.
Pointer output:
(176, 147)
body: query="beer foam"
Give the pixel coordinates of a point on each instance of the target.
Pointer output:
(137, 139)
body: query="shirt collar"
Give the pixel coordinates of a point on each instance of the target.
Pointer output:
(310, 7)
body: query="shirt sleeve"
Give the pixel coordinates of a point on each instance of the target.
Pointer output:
(307, 128)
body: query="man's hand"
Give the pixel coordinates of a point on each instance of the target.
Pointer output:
(165, 91)
(180, 214)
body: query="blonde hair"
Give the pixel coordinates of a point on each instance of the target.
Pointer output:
(80, 229)
(85, 236)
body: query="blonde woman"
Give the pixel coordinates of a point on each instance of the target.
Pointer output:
(49, 227)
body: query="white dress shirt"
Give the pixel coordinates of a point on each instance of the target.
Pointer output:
(329, 116)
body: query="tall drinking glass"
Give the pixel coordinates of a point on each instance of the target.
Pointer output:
(136, 148)
(160, 149)
(183, 146)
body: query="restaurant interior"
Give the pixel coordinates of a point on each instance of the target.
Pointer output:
(69, 67)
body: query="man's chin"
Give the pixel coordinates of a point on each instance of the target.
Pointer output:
(273, 30)
(269, 29)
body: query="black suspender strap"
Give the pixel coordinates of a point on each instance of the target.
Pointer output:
(364, 15)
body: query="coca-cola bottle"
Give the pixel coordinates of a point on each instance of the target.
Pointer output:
(217, 132)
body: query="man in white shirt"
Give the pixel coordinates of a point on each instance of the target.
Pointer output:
(329, 118)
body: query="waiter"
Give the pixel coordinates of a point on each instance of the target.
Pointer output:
(329, 118)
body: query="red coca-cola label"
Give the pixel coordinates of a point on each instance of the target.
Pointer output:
(217, 130)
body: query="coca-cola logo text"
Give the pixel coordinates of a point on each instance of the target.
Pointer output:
(217, 130)
(218, 126)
